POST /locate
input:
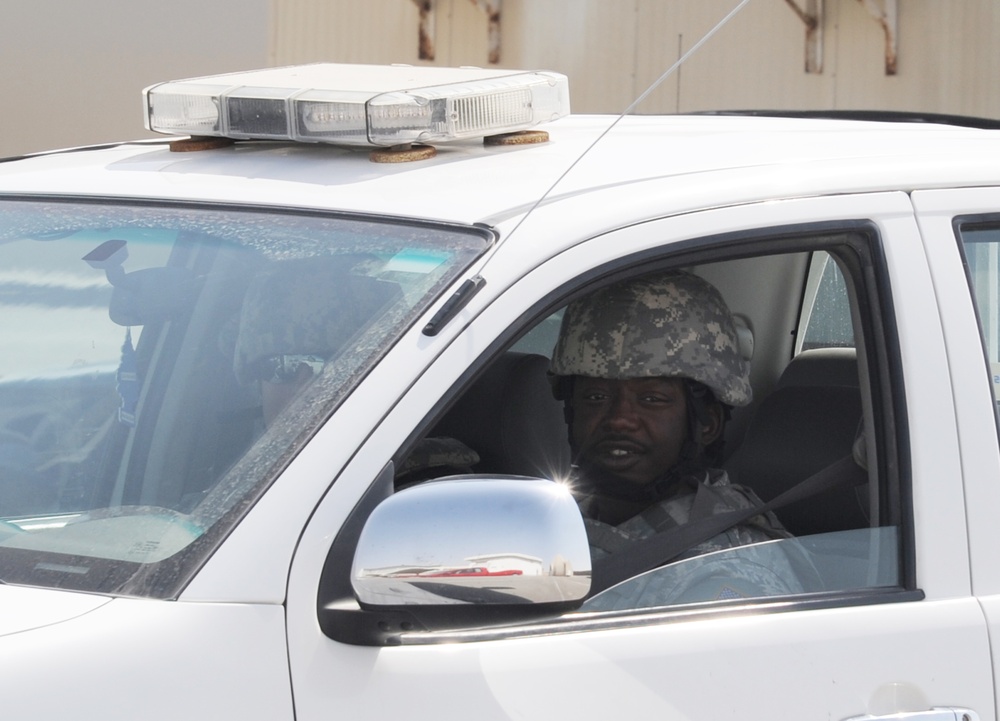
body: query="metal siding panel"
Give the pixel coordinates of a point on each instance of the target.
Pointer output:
(612, 51)
(375, 31)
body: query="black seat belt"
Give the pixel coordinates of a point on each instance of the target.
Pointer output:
(662, 548)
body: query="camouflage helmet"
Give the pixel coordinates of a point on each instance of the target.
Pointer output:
(671, 324)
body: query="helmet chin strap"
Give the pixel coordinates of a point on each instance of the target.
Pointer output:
(692, 457)
(696, 397)
(562, 388)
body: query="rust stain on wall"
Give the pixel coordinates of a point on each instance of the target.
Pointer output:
(425, 42)
(492, 10)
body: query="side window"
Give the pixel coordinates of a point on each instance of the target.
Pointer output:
(636, 410)
(542, 338)
(981, 248)
(826, 309)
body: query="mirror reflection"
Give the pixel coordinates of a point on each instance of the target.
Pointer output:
(506, 541)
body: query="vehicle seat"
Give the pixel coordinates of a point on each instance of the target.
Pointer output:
(810, 420)
(511, 419)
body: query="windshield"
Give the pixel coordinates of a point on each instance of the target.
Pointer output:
(160, 365)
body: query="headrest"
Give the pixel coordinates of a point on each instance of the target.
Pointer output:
(808, 422)
(511, 419)
(830, 367)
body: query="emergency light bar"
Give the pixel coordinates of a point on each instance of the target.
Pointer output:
(357, 104)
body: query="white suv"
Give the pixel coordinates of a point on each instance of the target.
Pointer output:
(277, 439)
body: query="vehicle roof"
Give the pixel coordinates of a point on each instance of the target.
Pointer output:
(714, 160)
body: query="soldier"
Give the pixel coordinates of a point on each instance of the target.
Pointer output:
(300, 314)
(295, 317)
(648, 370)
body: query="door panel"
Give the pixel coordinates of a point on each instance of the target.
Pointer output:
(760, 660)
(952, 222)
(816, 664)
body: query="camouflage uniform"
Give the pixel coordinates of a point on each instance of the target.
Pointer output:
(674, 324)
(716, 576)
(694, 498)
(433, 458)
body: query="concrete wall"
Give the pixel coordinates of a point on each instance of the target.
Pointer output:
(72, 72)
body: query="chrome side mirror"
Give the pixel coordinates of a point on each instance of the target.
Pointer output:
(463, 552)
(505, 542)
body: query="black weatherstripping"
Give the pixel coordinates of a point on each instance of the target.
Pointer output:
(454, 304)
(876, 116)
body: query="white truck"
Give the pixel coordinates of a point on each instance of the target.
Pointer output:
(277, 439)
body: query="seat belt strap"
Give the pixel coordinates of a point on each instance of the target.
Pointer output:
(662, 548)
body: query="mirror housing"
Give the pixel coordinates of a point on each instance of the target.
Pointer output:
(465, 551)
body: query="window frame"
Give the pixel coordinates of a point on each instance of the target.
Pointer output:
(975, 222)
(819, 263)
(879, 352)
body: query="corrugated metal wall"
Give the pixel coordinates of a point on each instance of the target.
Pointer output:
(73, 71)
(612, 49)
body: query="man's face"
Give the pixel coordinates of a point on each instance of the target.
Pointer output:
(633, 429)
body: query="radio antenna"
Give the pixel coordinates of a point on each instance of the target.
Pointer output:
(635, 103)
(472, 286)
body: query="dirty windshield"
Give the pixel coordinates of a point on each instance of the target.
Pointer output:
(161, 364)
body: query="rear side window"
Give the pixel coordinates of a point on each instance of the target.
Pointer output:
(981, 248)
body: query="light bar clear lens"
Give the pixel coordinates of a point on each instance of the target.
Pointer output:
(331, 116)
(176, 109)
(407, 105)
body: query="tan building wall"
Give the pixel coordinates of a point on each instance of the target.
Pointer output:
(72, 72)
(613, 49)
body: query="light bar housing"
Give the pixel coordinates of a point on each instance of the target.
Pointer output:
(358, 104)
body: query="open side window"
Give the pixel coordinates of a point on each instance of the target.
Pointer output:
(829, 407)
